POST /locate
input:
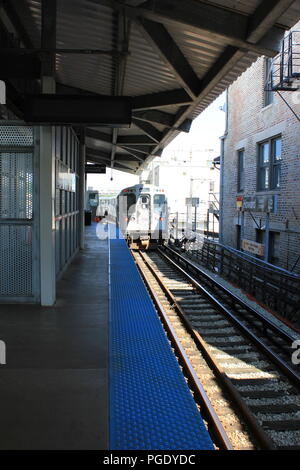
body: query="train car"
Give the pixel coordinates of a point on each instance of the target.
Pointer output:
(107, 206)
(92, 201)
(142, 215)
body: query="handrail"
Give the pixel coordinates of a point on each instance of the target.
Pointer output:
(255, 261)
(275, 287)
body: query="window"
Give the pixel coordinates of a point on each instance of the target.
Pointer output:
(241, 175)
(128, 202)
(276, 163)
(274, 238)
(159, 202)
(264, 164)
(269, 164)
(268, 93)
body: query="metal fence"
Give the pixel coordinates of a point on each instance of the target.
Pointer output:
(202, 220)
(185, 224)
(275, 287)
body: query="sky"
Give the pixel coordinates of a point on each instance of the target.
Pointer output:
(205, 133)
(104, 183)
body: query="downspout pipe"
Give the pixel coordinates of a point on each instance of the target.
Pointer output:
(222, 162)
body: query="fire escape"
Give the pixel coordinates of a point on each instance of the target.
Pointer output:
(284, 75)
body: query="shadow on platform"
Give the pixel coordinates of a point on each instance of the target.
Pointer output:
(53, 387)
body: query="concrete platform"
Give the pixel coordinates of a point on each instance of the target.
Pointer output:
(53, 389)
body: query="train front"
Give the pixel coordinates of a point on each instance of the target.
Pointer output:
(142, 216)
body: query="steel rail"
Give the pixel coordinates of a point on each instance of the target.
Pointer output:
(260, 435)
(267, 323)
(215, 427)
(268, 326)
(275, 359)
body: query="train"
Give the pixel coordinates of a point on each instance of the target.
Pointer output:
(107, 207)
(92, 201)
(142, 215)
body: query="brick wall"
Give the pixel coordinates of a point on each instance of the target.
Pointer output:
(250, 122)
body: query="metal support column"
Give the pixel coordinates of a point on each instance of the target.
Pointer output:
(47, 219)
(81, 189)
(47, 162)
(48, 41)
(242, 233)
(267, 237)
(222, 161)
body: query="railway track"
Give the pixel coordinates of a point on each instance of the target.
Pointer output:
(241, 360)
(272, 339)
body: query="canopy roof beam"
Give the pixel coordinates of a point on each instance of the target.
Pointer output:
(224, 63)
(148, 129)
(264, 17)
(140, 149)
(134, 153)
(48, 36)
(161, 99)
(117, 165)
(154, 115)
(229, 25)
(135, 140)
(105, 157)
(171, 55)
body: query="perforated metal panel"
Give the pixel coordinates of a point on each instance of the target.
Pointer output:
(18, 273)
(16, 136)
(16, 185)
(16, 260)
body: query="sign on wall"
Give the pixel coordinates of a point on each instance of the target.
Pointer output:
(253, 247)
(264, 203)
(239, 202)
(66, 178)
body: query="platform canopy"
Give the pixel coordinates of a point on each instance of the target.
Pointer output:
(151, 66)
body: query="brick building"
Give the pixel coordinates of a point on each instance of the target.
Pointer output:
(261, 170)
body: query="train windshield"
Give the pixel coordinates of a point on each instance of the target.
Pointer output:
(93, 199)
(128, 205)
(159, 201)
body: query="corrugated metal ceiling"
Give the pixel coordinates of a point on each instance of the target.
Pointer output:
(214, 59)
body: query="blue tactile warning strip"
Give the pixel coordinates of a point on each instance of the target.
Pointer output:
(150, 404)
